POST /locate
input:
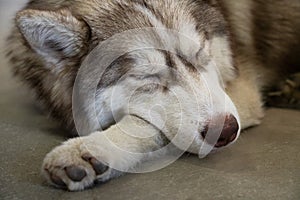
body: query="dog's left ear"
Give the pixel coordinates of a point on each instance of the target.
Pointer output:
(55, 35)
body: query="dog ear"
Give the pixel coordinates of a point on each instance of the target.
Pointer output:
(55, 35)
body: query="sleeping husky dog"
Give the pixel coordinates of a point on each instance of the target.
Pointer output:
(141, 79)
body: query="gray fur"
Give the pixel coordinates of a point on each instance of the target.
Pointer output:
(252, 42)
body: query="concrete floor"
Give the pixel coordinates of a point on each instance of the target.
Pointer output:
(263, 164)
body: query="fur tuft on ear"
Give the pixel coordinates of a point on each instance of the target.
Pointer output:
(55, 35)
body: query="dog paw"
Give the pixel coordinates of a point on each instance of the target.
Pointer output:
(251, 111)
(253, 117)
(74, 165)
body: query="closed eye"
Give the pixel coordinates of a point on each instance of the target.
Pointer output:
(190, 66)
(199, 52)
(202, 57)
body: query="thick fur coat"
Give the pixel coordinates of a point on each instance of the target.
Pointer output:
(214, 62)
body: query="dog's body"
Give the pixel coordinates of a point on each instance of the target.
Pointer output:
(231, 46)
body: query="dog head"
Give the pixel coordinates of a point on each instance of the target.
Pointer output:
(171, 62)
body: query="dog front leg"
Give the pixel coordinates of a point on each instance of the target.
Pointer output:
(101, 156)
(246, 95)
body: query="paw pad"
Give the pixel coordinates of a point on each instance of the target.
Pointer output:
(75, 173)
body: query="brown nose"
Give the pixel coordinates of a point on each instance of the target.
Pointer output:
(228, 133)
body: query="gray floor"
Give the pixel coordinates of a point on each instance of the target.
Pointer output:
(263, 164)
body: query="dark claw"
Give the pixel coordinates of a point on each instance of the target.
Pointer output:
(75, 173)
(57, 181)
(98, 167)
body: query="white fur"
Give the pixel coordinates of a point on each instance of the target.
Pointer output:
(192, 99)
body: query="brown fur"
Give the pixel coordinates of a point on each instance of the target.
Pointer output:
(103, 19)
(52, 38)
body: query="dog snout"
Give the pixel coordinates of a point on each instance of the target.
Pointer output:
(229, 131)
